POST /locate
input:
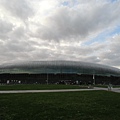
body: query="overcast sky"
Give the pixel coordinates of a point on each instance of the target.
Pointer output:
(79, 30)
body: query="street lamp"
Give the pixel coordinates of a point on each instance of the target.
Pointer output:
(47, 79)
(93, 79)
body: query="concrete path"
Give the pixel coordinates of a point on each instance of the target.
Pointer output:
(36, 91)
(116, 90)
(113, 89)
(61, 90)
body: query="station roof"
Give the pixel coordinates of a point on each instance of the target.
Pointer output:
(55, 67)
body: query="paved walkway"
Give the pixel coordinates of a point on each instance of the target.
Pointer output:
(116, 90)
(61, 90)
(36, 91)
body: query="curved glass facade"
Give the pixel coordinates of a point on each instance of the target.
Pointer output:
(55, 67)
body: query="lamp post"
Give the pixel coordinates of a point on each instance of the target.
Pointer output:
(47, 79)
(93, 79)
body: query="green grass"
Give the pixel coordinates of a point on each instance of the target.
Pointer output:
(39, 87)
(116, 86)
(103, 86)
(106, 86)
(87, 105)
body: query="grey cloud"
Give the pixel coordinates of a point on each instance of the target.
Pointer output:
(5, 29)
(67, 23)
(16, 47)
(112, 55)
(15, 51)
(18, 8)
(77, 50)
(92, 59)
(19, 32)
(110, 59)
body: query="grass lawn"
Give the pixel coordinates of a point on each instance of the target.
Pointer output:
(87, 105)
(103, 86)
(39, 87)
(106, 86)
